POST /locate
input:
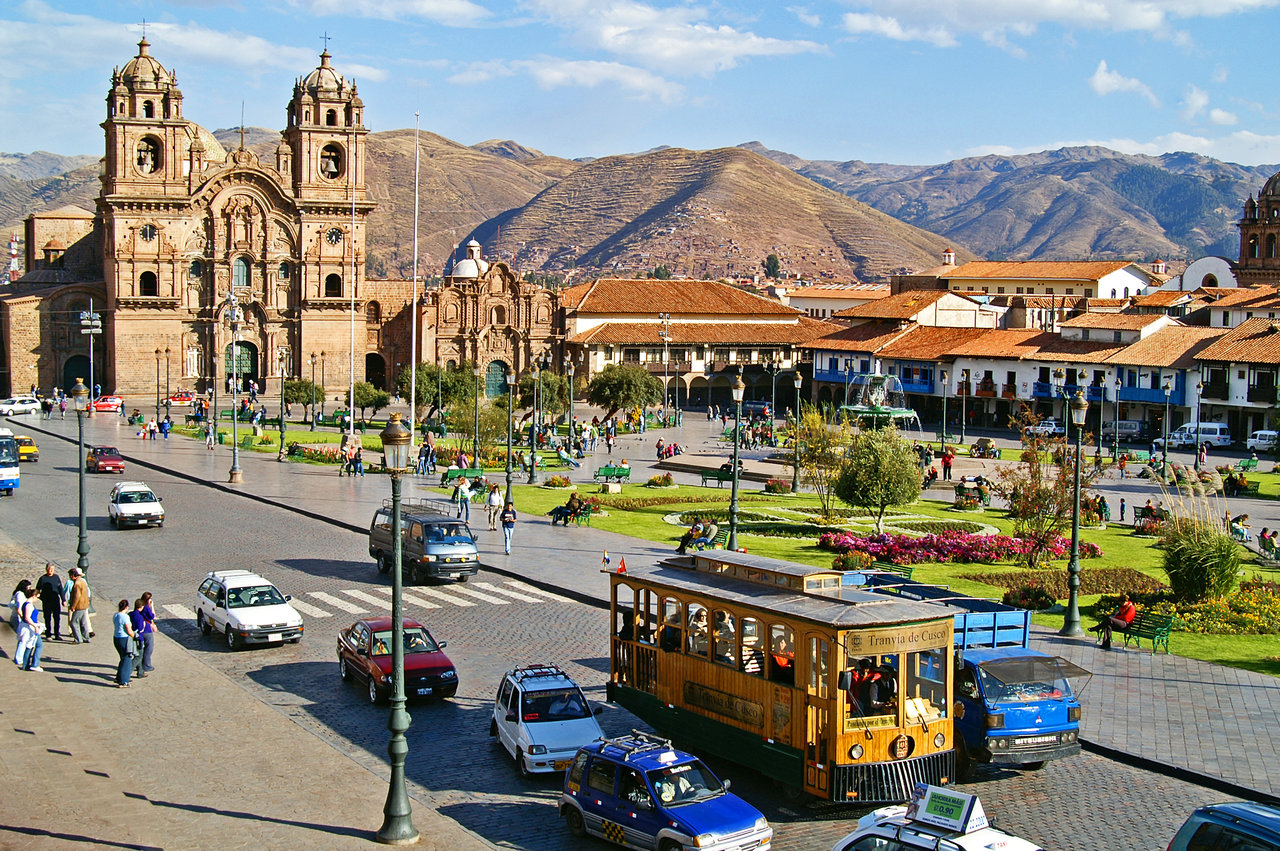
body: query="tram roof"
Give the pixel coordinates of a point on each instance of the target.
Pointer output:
(843, 608)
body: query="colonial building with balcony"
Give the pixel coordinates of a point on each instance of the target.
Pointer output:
(924, 307)
(1239, 374)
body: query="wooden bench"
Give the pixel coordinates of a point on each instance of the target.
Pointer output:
(1249, 489)
(609, 474)
(903, 570)
(720, 541)
(1150, 626)
(717, 476)
(945, 437)
(1247, 465)
(470, 473)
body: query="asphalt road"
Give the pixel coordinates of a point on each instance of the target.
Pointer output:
(491, 624)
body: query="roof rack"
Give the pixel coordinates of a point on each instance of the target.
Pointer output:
(412, 504)
(637, 743)
(531, 671)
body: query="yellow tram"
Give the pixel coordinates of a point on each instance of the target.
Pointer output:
(842, 693)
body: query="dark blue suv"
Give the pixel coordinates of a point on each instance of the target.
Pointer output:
(639, 791)
(1241, 826)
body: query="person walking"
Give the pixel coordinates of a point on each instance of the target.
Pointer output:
(78, 606)
(62, 406)
(30, 644)
(493, 504)
(209, 432)
(123, 637)
(508, 519)
(1123, 506)
(15, 604)
(947, 458)
(137, 620)
(50, 588)
(462, 496)
(357, 460)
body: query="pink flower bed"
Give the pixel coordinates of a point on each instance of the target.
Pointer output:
(946, 547)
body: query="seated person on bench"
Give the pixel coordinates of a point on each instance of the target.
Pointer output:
(564, 513)
(1120, 619)
(709, 533)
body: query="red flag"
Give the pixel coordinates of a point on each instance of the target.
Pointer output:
(622, 565)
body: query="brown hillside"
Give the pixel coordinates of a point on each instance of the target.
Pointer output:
(706, 214)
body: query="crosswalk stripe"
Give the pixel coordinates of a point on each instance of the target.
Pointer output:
(308, 609)
(437, 594)
(179, 611)
(331, 600)
(368, 598)
(532, 590)
(471, 592)
(489, 587)
(418, 601)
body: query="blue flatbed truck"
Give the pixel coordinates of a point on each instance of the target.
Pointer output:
(1014, 705)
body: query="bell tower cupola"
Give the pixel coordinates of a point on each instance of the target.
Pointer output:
(146, 136)
(326, 136)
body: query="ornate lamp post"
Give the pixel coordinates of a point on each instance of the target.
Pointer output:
(534, 384)
(313, 391)
(166, 380)
(322, 383)
(397, 822)
(1060, 383)
(738, 390)
(964, 398)
(848, 367)
(773, 367)
(1164, 447)
(1199, 391)
(284, 368)
(795, 440)
(943, 375)
(1071, 623)
(233, 314)
(511, 409)
(157, 385)
(80, 401)
(568, 369)
(475, 435)
(1115, 437)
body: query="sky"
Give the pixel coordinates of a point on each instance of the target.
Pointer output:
(900, 81)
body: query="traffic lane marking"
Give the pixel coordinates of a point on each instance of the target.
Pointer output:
(337, 603)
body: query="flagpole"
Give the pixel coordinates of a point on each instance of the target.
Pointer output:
(413, 303)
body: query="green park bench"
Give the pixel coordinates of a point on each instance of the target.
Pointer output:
(945, 437)
(981, 494)
(1248, 465)
(247, 441)
(193, 419)
(903, 570)
(270, 422)
(582, 516)
(433, 428)
(245, 416)
(717, 476)
(450, 475)
(610, 473)
(1153, 627)
(1249, 489)
(1138, 456)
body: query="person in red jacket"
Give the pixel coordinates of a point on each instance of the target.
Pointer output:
(1120, 619)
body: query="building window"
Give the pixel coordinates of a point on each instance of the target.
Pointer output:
(1271, 245)
(1115, 337)
(1018, 291)
(498, 316)
(1000, 290)
(331, 118)
(197, 268)
(631, 356)
(1084, 333)
(333, 286)
(1088, 293)
(148, 109)
(1071, 290)
(1226, 318)
(285, 271)
(147, 284)
(240, 272)
(373, 313)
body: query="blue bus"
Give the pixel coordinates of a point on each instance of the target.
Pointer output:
(8, 462)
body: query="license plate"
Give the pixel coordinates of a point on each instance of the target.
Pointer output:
(562, 765)
(422, 691)
(275, 636)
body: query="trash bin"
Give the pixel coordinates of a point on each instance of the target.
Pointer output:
(222, 438)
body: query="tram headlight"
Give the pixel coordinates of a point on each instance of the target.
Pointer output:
(856, 752)
(939, 740)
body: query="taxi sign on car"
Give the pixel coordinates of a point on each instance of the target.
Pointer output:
(933, 817)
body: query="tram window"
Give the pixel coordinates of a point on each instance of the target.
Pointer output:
(726, 637)
(752, 648)
(697, 642)
(672, 626)
(645, 632)
(926, 686)
(873, 690)
(600, 776)
(782, 654)
(819, 653)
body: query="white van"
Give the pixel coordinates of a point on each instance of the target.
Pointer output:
(1263, 441)
(1184, 436)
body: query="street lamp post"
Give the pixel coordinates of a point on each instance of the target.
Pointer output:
(233, 314)
(157, 385)
(475, 436)
(397, 822)
(166, 380)
(795, 439)
(773, 367)
(322, 382)
(511, 408)
(91, 326)
(1199, 391)
(848, 367)
(1060, 382)
(568, 368)
(738, 390)
(964, 397)
(1164, 447)
(1115, 437)
(284, 367)
(313, 391)
(943, 373)
(534, 383)
(80, 401)
(1071, 623)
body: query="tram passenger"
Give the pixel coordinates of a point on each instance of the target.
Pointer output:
(784, 658)
(669, 640)
(860, 689)
(698, 632)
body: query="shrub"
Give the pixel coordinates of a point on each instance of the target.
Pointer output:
(665, 480)
(851, 560)
(1100, 580)
(935, 526)
(948, 547)
(1253, 610)
(1029, 596)
(1201, 560)
(559, 482)
(777, 486)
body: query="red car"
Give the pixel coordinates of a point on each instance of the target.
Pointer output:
(364, 653)
(103, 459)
(111, 404)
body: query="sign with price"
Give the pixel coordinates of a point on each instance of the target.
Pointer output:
(947, 809)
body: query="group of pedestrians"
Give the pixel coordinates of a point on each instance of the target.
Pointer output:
(49, 595)
(134, 635)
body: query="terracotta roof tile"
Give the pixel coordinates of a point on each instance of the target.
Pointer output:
(869, 338)
(903, 305)
(850, 291)
(1163, 298)
(1012, 343)
(1252, 341)
(928, 342)
(685, 298)
(1242, 296)
(1175, 347)
(1069, 270)
(1041, 302)
(693, 333)
(1113, 321)
(1051, 347)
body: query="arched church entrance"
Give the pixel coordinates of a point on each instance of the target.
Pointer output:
(375, 370)
(242, 365)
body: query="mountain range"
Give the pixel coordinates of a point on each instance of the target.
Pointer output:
(721, 212)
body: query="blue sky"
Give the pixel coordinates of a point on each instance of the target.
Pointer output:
(900, 81)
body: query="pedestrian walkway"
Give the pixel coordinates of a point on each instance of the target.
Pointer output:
(91, 765)
(1178, 712)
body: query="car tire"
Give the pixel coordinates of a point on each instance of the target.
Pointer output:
(233, 640)
(374, 697)
(493, 729)
(964, 763)
(384, 563)
(463, 578)
(343, 670)
(206, 628)
(113, 520)
(573, 818)
(521, 766)
(669, 845)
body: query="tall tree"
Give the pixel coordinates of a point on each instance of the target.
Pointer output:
(620, 386)
(879, 470)
(661, 273)
(822, 447)
(772, 266)
(368, 396)
(555, 393)
(300, 391)
(455, 384)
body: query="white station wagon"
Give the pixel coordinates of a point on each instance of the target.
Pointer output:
(246, 609)
(541, 717)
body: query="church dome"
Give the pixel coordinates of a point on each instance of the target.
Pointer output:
(324, 78)
(471, 266)
(143, 70)
(1272, 188)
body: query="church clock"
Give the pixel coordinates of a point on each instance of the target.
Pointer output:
(333, 236)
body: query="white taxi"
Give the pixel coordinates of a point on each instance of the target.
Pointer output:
(935, 818)
(134, 504)
(245, 609)
(541, 717)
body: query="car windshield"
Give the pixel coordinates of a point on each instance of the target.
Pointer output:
(135, 497)
(254, 595)
(416, 640)
(1025, 680)
(562, 704)
(448, 533)
(106, 452)
(684, 784)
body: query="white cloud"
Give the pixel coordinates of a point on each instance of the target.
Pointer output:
(674, 38)
(1105, 81)
(1220, 74)
(550, 72)
(1222, 117)
(804, 16)
(891, 28)
(454, 13)
(1194, 102)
